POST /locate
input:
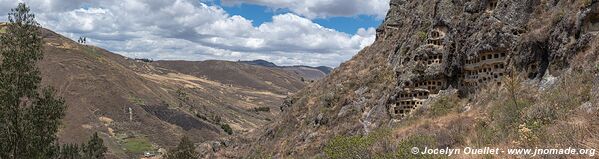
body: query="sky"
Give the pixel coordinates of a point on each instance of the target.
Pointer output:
(286, 32)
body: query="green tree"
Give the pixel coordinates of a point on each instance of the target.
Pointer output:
(185, 150)
(29, 116)
(227, 129)
(69, 151)
(94, 149)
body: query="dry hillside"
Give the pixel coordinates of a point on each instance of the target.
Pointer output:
(147, 106)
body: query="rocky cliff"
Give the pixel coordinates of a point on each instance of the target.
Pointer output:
(451, 73)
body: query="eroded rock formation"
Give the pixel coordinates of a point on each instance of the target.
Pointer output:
(423, 49)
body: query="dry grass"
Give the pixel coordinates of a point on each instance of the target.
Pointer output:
(523, 117)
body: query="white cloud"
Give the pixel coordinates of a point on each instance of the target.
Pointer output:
(191, 30)
(323, 8)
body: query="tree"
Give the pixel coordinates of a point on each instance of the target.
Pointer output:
(69, 151)
(29, 116)
(185, 150)
(227, 128)
(94, 149)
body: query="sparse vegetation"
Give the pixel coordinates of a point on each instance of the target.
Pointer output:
(136, 100)
(262, 109)
(444, 105)
(91, 51)
(378, 144)
(227, 128)
(348, 147)
(422, 35)
(328, 100)
(586, 3)
(355, 146)
(559, 15)
(201, 116)
(506, 116)
(182, 95)
(185, 150)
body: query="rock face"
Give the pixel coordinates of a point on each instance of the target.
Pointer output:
(427, 46)
(468, 44)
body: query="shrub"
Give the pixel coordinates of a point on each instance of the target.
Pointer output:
(201, 116)
(347, 147)
(422, 35)
(182, 95)
(328, 100)
(136, 100)
(184, 150)
(559, 16)
(586, 3)
(227, 128)
(507, 115)
(355, 146)
(485, 133)
(262, 109)
(444, 105)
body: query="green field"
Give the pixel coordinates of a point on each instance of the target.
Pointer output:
(137, 145)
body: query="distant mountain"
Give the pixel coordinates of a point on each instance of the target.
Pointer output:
(307, 72)
(260, 63)
(327, 70)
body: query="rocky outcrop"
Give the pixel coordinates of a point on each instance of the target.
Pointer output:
(469, 44)
(425, 47)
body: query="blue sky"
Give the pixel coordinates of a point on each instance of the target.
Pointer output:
(260, 14)
(286, 32)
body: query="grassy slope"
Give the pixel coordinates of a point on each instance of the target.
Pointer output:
(100, 86)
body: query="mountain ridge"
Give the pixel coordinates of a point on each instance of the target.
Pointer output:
(307, 72)
(133, 103)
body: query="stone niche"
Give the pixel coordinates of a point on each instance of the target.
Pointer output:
(437, 35)
(487, 67)
(406, 101)
(431, 86)
(591, 22)
(413, 96)
(431, 59)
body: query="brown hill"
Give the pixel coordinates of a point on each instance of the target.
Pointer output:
(308, 73)
(144, 106)
(498, 73)
(239, 74)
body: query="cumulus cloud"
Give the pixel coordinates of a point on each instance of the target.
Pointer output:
(323, 8)
(192, 30)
